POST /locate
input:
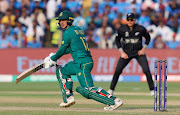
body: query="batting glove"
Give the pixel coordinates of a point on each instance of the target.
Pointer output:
(48, 62)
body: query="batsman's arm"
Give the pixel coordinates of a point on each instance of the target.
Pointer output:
(62, 50)
(67, 51)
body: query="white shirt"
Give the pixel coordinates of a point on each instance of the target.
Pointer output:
(51, 9)
(27, 21)
(154, 32)
(103, 43)
(39, 32)
(166, 33)
(41, 18)
(100, 32)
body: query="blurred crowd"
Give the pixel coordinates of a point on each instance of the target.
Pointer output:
(33, 24)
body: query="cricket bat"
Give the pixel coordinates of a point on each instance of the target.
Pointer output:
(29, 71)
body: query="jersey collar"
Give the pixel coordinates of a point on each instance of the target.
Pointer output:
(67, 27)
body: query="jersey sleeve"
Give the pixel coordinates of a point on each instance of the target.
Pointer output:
(146, 36)
(67, 51)
(63, 49)
(118, 39)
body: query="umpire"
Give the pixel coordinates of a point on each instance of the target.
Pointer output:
(129, 43)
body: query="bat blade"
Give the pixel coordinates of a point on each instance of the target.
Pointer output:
(29, 71)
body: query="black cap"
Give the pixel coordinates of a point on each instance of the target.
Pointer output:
(130, 16)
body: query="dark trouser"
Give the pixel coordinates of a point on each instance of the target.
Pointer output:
(142, 60)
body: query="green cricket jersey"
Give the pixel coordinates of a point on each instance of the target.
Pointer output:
(73, 42)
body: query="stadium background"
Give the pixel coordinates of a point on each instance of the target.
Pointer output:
(28, 32)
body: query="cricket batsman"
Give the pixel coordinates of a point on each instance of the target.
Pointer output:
(74, 42)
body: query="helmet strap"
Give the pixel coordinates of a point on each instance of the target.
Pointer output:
(66, 27)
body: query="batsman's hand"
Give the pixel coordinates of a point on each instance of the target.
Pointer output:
(124, 55)
(48, 62)
(51, 54)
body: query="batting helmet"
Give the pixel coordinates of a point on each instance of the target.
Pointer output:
(66, 15)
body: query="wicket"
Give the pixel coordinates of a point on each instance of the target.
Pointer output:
(160, 85)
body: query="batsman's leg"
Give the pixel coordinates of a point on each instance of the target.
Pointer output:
(100, 95)
(88, 90)
(66, 85)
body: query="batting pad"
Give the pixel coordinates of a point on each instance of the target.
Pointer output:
(65, 83)
(95, 96)
(61, 85)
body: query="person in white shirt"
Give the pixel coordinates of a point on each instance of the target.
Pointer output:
(152, 29)
(40, 17)
(25, 19)
(35, 30)
(51, 9)
(165, 31)
(106, 42)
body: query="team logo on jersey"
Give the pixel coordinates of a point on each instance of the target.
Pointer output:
(61, 14)
(62, 42)
(79, 73)
(137, 33)
(126, 34)
(133, 40)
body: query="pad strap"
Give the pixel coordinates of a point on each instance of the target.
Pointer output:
(99, 91)
(109, 95)
(66, 80)
(68, 92)
(95, 96)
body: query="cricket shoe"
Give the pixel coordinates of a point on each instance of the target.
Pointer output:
(118, 103)
(70, 101)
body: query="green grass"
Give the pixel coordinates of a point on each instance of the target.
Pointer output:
(18, 99)
(54, 86)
